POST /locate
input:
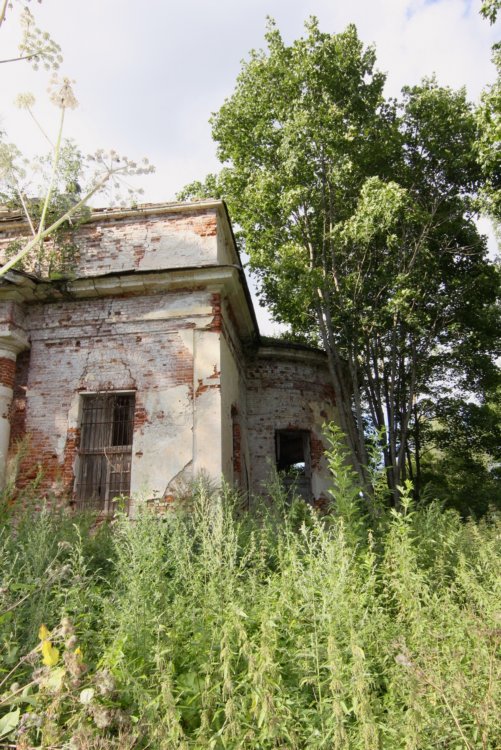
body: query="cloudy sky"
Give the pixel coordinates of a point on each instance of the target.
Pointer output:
(148, 74)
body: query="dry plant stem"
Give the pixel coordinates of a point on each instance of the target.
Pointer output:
(26, 212)
(55, 164)
(23, 57)
(21, 661)
(51, 577)
(3, 11)
(30, 112)
(67, 215)
(15, 692)
(447, 705)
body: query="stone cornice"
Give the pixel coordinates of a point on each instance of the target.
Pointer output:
(13, 339)
(227, 279)
(293, 354)
(15, 221)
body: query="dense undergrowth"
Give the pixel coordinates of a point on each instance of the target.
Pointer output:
(214, 628)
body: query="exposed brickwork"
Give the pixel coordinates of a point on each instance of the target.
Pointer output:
(96, 345)
(216, 322)
(144, 242)
(18, 407)
(7, 372)
(322, 504)
(237, 454)
(204, 387)
(70, 453)
(205, 226)
(317, 448)
(140, 417)
(160, 346)
(287, 394)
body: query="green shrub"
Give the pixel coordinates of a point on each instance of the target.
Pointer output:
(211, 628)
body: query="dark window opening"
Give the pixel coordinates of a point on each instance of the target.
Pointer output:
(105, 449)
(293, 461)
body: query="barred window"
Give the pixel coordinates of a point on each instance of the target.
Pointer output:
(105, 449)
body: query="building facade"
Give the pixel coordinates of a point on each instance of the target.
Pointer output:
(145, 368)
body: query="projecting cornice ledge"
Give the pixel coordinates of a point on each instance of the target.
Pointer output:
(227, 280)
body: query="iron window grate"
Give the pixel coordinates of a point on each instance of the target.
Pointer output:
(105, 453)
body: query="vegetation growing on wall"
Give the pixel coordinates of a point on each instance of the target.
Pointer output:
(51, 193)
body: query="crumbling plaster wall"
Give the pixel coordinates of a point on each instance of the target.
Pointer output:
(114, 242)
(164, 347)
(200, 405)
(235, 452)
(288, 390)
(161, 241)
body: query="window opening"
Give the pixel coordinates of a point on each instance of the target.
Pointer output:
(105, 449)
(293, 461)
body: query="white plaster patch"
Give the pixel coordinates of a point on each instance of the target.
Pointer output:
(165, 444)
(186, 336)
(178, 250)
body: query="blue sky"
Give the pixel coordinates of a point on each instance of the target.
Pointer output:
(148, 74)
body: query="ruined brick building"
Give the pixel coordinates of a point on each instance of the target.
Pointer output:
(146, 367)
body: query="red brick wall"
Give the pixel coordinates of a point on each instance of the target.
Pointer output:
(283, 394)
(237, 449)
(18, 407)
(7, 372)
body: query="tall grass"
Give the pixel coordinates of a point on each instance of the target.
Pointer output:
(212, 628)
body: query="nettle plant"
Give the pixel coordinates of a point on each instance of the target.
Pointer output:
(53, 192)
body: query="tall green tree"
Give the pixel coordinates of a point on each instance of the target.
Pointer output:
(356, 213)
(489, 122)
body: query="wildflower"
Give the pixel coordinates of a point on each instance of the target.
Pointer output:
(120, 718)
(102, 717)
(74, 663)
(24, 101)
(50, 654)
(62, 94)
(105, 682)
(28, 721)
(32, 657)
(86, 696)
(43, 632)
(39, 675)
(81, 739)
(64, 570)
(403, 660)
(66, 627)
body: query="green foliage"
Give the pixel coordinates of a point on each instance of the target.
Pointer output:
(489, 127)
(358, 217)
(463, 462)
(206, 628)
(490, 9)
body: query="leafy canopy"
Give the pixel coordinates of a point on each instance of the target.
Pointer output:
(357, 213)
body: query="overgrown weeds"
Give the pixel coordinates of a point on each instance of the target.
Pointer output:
(210, 628)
